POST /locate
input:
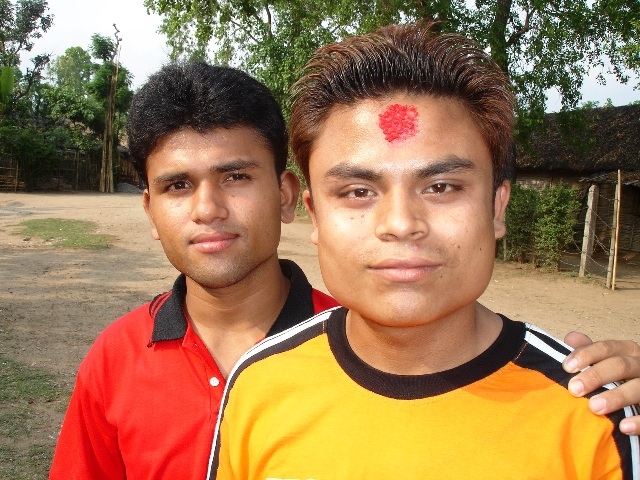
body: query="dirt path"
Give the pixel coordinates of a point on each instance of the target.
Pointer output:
(54, 302)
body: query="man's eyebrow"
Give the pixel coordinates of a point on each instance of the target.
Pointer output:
(343, 170)
(170, 177)
(233, 166)
(449, 164)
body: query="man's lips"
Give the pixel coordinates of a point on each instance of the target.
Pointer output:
(404, 269)
(211, 242)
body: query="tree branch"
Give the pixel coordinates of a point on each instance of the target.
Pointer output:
(516, 36)
(245, 30)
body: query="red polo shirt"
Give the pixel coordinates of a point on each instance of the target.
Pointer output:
(148, 392)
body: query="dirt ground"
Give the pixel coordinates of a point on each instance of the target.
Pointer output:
(53, 303)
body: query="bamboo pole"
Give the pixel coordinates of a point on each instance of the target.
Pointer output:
(615, 229)
(615, 255)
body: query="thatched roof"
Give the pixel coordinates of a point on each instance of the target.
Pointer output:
(609, 140)
(628, 178)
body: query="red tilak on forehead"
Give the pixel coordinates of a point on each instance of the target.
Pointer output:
(399, 122)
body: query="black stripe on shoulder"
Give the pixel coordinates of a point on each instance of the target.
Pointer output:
(287, 340)
(281, 342)
(553, 342)
(533, 358)
(278, 343)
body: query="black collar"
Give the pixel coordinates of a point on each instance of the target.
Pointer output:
(170, 323)
(504, 349)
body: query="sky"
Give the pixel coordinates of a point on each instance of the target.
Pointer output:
(144, 50)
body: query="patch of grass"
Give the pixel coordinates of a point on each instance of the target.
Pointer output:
(65, 233)
(27, 395)
(33, 463)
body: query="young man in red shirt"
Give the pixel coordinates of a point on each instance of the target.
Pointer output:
(210, 143)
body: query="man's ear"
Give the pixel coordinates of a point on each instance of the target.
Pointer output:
(501, 200)
(146, 200)
(289, 191)
(307, 199)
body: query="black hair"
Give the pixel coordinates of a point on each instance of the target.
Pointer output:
(200, 96)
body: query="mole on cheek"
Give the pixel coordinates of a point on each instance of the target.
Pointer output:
(399, 122)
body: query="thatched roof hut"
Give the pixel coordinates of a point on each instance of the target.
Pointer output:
(601, 142)
(604, 139)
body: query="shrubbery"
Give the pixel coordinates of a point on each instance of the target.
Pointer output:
(540, 224)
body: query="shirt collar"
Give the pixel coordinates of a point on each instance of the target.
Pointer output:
(170, 323)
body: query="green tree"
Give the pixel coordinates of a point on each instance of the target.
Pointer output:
(539, 44)
(72, 70)
(6, 86)
(22, 22)
(111, 85)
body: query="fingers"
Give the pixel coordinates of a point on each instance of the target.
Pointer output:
(612, 361)
(616, 399)
(626, 351)
(577, 339)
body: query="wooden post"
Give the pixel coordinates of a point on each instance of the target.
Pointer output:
(17, 181)
(615, 228)
(615, 254)
(589, 229)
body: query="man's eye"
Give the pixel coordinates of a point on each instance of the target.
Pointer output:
(358, 193)
(177, 186)
(440, 188)
(236, 177)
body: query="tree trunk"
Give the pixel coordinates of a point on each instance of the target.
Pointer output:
(106, 172)
(498, 35)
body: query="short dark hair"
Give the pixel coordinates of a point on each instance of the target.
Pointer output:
(415, 59)
(200, 96)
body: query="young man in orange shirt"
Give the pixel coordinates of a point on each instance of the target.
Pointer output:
(404, 137)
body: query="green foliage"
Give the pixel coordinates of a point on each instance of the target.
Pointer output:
(100, 84)
(555, 221)
(103, 48)
(31, 148)
(22, 22)
(72, 70)
(540, 45)
(540, 224)
(572, 125)
(6, 86)
(66, 233)
(519, 220)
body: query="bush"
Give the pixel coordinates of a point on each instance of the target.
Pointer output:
(540, 224)
(519, 220)
(556, 219)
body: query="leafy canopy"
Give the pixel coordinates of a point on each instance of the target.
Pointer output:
(539, 44)
(21, 23)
